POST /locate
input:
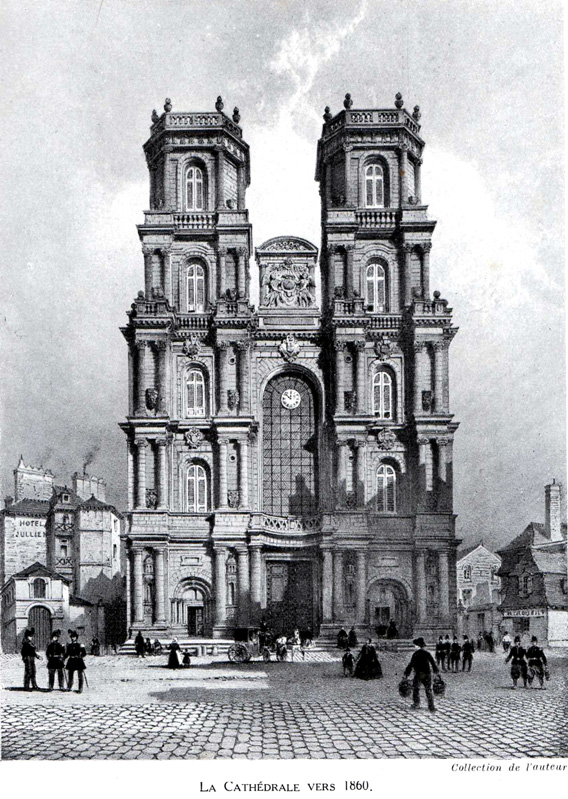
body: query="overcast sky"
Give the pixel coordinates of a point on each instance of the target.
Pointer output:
(80, 80)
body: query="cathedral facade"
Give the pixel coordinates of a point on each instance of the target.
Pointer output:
(290, 462)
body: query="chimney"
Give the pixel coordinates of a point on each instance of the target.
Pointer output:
(552, 521)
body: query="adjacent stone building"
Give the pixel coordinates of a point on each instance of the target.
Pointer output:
(534, 577)
(61, 559)
(478, 593)
(291, 462)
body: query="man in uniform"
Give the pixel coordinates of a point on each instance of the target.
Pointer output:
(75, 652)
(455, 651)
(441, 653)
(29, 656)
(423, 665)
(55, 654)
(537, 662)
(518, 663)
(467, 653)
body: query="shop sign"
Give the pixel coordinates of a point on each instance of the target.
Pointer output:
(523, 613)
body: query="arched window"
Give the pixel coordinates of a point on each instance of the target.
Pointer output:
(194, 189)
(39, 588)
(376, 288)
(383, 395)
(374, 187)
(196, 489)
(196, 288)
(386, 489)
(467, 573)
(195, 393)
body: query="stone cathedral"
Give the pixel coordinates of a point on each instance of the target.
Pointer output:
(289, 463)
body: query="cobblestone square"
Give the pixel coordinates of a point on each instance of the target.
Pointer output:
(138, 709)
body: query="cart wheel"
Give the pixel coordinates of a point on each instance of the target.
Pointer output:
(238, 653)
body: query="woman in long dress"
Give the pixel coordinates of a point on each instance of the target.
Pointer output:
(173, 659)
(368, 666)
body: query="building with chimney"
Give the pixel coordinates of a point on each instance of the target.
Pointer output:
(289, 462)
(478, 591)
(534, 577)
(60, 559)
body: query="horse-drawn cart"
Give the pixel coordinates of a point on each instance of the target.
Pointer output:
(246, 645)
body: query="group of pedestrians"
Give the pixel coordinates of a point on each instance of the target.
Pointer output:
(527, 663)
(69, 658)
(451, 654)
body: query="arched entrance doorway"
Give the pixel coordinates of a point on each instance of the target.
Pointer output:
(289, 447)
(191, 607)
(40, 619)
(388, 601)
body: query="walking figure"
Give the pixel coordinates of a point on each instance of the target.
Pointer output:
(352, 641)
(422, 663)
(455, 655)
(29, 656)
(74, 653)
(368, 666)
(441, 654)
(518, 663)
(173, 659)
(467, 653)
(55, 654)
(506, 642)
(348, 662)
(536, 662)
(342, 639)
(447, 653)
(186, 659)
(139, 644)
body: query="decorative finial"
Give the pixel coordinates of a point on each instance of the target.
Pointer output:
(416, 113)
(348, 102)
(327, 115)
(437, 295)
(398, 101)
(168, 105)
(236, 115)
(155, 116)
(219, 105)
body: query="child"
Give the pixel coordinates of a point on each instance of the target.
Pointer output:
(186, 660)
(348, 663)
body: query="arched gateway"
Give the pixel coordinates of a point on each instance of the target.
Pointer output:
(388, 601)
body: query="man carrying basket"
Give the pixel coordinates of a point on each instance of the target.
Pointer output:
(422, 663)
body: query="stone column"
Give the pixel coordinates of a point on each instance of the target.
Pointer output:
(442, 458)
(159, 607)
(421, 586)
(444, 577)
(331, 250)
(403, 167)
(161, 349)
(243, 348)
(141, 444)
(407, 275)
(419, 354)
(418, 179)
(255, 577)
(141, 378)
(243, 580)
(361, 385)
(339, 347)
(220, 157)
(425, 461)
(361, 594)
(221, 266)
(223, 480)
(439, 347)
(348, 181)
(162, 481)
(338, 585)
(138, 586)
(167, 256)
(223, 350)
(327, 586)
(130, 473)
(148, 278)
(241, 272)
(244, 472)
(361, 447)
(241, 186)
(349, 248)
(342, 447)
(220, 586)
(426, 270)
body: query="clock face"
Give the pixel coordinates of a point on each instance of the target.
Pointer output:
(291, 398)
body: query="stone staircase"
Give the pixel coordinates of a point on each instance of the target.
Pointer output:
(197, 647)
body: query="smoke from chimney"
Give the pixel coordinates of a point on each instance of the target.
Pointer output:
(90, 456)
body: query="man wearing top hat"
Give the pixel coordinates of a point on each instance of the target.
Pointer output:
(75, 652)
(55, 654)
(422, 663)
(29, 656)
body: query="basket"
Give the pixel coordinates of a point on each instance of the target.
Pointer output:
(438, 685)
(546, 673)
(405, 687)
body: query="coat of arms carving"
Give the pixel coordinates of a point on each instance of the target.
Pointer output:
(383, 348)
(289, 349)
(288, 285)
(193, 437)
(192, 345)
(386, 439)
